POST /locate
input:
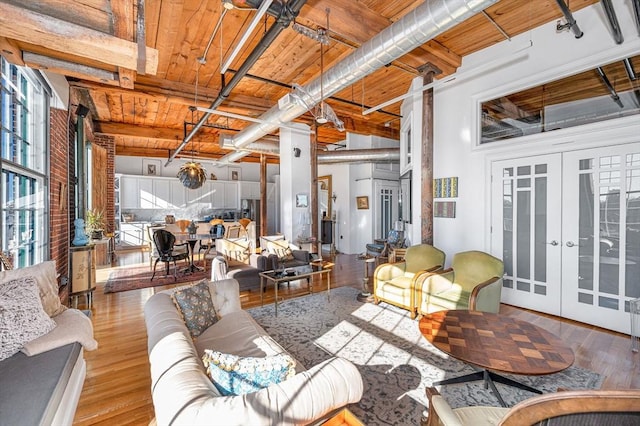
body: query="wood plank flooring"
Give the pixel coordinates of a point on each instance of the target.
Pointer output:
(117, 387)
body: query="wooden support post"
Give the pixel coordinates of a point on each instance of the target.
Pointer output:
(428, 72)
(263, 196)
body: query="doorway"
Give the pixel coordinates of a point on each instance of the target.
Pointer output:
(568, 228)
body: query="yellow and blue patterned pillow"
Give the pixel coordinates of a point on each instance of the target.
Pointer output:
(196, 307)
(235, 375)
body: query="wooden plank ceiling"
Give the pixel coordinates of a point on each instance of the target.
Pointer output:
(141, 97)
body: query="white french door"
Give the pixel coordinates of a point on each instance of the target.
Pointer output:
(568, 228)
(601, 234)
(526, 230)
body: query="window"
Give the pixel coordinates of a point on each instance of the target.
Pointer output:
(603, 93)
(24, 131)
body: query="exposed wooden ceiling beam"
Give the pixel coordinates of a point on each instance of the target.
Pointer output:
(71, 69)
(138, 132)
(62, 36)
(123, 28)
(11, 51)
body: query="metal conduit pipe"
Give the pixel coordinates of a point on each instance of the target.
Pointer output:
(636, 12)
(569, 17)
(426, 21)
(375, 155)
(610, 12)
(286, 16)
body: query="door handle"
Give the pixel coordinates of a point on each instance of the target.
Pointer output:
(553, 243)
(570, 244)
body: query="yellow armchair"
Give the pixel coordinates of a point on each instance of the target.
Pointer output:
(473, 282)
(394, 283)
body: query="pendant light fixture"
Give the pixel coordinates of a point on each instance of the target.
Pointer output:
(192, 174)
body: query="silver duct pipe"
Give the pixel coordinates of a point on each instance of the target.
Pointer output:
(425, 22)
(375, 155)
(613, 21)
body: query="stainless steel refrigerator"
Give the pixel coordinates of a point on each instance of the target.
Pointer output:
(251, 209)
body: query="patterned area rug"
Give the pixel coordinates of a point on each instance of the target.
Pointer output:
(135, 278)
(395, 361)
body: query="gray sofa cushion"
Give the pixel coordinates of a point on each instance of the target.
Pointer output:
(32, 386)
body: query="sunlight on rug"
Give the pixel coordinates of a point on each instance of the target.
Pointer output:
(138, 277)
(395, 361)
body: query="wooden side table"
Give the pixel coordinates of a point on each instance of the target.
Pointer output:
(82, 273)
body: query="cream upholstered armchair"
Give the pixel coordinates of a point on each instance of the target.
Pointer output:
(394, 283)
(571, 407)
(473, 282)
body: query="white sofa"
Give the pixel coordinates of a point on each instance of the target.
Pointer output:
(184, 395)
(41, 384)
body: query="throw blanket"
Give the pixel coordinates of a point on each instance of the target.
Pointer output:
(71, 326)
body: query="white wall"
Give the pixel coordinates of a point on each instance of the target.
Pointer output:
(456, 150)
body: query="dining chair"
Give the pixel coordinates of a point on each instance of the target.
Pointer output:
(153, 251)
(165, 245)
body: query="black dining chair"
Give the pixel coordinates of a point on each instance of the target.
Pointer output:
(165, 244)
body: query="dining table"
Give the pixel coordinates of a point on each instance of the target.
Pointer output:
(191, 239)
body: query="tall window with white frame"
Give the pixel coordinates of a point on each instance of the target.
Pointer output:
(24, 135)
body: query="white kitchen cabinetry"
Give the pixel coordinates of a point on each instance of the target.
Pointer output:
(178, 193)
(215, 194)
(162, 197)
(129, 192)
(250, 190)
(231, 199)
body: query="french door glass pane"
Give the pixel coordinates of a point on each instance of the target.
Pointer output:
(585, 231)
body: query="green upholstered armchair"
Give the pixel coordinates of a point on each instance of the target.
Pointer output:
(394, 283)
(473, 282)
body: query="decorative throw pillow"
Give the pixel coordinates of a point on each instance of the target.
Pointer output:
(234, 375)
(22, 317)
(45, 275)
(196, 307)
(281, 249)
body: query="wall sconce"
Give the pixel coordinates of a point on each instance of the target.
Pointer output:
(296, 152)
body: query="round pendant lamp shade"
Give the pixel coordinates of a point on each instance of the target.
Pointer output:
(192, 175)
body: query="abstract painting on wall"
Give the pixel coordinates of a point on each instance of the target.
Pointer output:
(444, 209)
(445, 187)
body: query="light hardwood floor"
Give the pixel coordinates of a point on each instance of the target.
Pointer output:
(117, 388)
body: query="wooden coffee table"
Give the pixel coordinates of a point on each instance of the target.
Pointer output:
(495, 342)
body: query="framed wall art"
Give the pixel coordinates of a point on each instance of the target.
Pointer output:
(444, 209)
(302, 200)
(445, 187)
(362, 202)
(151, 167)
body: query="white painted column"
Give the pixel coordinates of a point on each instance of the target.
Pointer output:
(295, 179)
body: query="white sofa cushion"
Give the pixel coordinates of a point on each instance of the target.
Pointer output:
(72, 325)
(236, 375)
(45, 275)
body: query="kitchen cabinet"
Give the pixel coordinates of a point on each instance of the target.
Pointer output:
(231, 199)
(250, 190)
(215, 194)
(178, 194)
(162, 197)
(129, 192)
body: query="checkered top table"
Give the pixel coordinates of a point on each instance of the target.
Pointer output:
(496, 342)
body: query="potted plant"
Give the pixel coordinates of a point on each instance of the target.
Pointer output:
(94, 224)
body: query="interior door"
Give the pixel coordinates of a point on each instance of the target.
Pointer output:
(601, 235)
(385, 207)
(526, 230)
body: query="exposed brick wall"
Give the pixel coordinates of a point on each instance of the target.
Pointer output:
(59, 189)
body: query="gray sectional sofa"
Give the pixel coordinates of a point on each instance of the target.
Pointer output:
(183, 394)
